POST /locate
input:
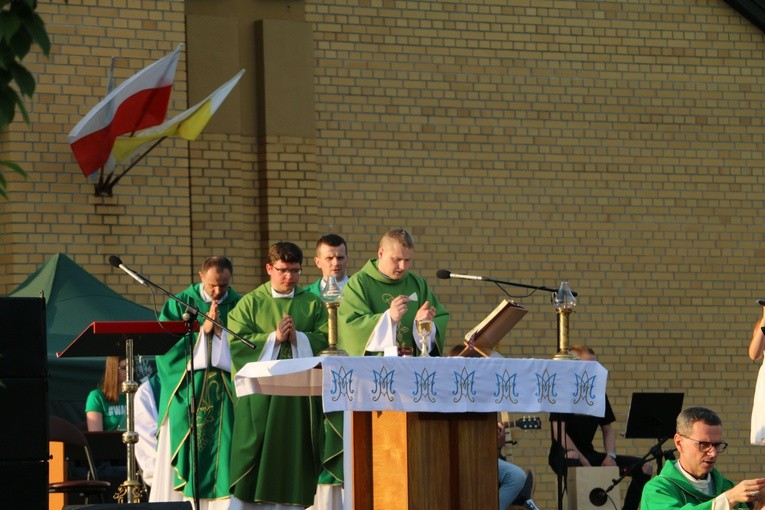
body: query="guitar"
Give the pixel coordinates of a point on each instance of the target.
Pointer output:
(525, 423)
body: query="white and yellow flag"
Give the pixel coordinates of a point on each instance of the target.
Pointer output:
(187, 125)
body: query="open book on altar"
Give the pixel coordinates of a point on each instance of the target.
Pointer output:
(487, 334)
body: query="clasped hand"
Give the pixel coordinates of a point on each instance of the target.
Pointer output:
(285, 331)
(208, 327)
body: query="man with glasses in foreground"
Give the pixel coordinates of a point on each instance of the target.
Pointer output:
(276, 452)
(692, 481)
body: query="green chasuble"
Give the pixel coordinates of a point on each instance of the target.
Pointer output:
(214, 395)
(276, 454)
(670, 489)
(315, 287)
(368, 294)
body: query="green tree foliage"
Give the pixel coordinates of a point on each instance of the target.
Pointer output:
(20, 27)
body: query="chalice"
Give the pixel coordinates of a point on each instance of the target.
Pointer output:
(424, 327)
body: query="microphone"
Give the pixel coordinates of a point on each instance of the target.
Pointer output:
(445, 275)
(115, 261)
(598, 496)
(760, 302)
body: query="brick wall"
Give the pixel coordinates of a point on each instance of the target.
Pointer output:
(615, 145)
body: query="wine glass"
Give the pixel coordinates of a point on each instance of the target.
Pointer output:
(424, 327)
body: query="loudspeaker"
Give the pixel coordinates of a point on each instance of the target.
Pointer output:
(25, 481)
(25, 437)
(580, 482)
(23, 340)
(177, 505)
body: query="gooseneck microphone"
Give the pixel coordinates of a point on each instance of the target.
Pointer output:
(598, 496)
(115, 261)
(445, 275)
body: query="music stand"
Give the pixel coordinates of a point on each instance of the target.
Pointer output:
(129, 338)
(653, 415)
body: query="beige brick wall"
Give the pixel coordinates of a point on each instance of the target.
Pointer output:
(615, 145)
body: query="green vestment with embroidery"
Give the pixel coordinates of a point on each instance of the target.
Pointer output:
(368, 294)
(214, 395)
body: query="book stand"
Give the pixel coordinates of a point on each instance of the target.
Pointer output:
(482, 339)
(129, 339)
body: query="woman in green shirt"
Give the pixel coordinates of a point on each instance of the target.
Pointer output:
(105, 406)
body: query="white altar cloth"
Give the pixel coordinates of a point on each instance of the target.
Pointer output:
(450, 385)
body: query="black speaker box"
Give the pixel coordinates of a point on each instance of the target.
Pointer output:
(26, 482)
(178, 505)
(25, 436)
(23, 339)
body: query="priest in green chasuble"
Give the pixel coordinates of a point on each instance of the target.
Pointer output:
(211, 361)
(277, 440)
(331, 259)
(382, 302)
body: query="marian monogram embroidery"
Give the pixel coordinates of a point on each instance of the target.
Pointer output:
(383, 384)
(506, 388)
(463, 385)
(342, 384)
(546, 387)
(585, 389)
(424, 382)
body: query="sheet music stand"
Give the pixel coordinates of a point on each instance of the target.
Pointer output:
(128, 338)
(653, 416)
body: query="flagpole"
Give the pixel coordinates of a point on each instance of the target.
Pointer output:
(109, 184)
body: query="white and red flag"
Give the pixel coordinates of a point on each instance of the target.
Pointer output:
(187, 125)
(139, 102)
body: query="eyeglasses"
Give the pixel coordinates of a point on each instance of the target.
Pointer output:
(705, 446)
(283, 271)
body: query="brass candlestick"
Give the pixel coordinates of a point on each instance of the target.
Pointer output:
(564, 304)
(332, 295)
(131, 489)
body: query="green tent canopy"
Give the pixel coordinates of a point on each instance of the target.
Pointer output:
(74, 298)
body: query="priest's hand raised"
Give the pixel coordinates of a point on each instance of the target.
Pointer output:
(426, 312)
(398, 308)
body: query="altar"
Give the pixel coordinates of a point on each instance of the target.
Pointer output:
(419, 429)
(436, 385)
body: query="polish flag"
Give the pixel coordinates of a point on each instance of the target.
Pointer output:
(139, 102)
(187, 125)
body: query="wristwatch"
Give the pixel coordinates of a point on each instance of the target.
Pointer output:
(612, 455)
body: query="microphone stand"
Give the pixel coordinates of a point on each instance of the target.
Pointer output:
(523, 285)
(189, 317)
(598, 497)
(191, 309)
